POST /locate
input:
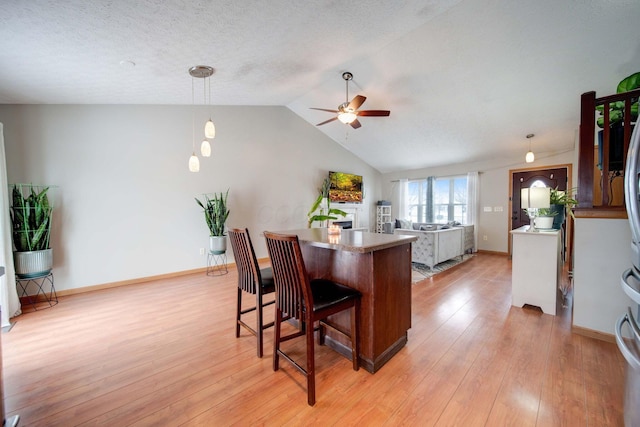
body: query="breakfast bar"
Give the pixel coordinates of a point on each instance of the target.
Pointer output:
(377, 265)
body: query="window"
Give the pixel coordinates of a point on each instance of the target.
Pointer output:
(438, 200)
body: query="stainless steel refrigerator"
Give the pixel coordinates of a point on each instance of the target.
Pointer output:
(628, 339)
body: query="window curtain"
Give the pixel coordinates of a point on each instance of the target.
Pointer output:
(429, 199)
(403, 199)
(9, 301)
(473, 201)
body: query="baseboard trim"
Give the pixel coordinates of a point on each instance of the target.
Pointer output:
(590, 333)
(66, 292)
(483, 251)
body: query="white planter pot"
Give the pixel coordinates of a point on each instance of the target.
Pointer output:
(33, 263)
(218, 244)
(545, 222)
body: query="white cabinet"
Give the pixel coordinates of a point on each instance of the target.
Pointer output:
(536, 268)
(383, 215)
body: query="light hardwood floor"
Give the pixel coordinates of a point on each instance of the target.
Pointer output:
(164, 353)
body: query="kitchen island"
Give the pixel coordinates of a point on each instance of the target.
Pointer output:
(536, 268)
(377, 265)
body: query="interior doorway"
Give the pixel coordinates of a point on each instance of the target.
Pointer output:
(558, 176)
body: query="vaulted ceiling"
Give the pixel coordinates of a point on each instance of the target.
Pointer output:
(465, 80)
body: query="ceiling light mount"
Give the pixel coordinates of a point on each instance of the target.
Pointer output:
(201, 71)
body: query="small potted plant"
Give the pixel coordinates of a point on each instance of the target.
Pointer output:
(31, 219)
(215, 215)
(321, 210)
(545, 218)
(616, 123)
(616, 109)
(562, 202)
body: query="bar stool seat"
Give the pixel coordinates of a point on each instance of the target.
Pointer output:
(251, 280)
(295, 293)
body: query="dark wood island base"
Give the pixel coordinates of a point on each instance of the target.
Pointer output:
(377, 265)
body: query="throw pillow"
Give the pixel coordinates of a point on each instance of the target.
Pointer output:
(406, 224)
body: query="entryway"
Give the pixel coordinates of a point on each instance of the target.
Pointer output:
(558, 176)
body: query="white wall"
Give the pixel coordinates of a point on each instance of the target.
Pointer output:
(494, 191)
(125, 204)
(602, 251)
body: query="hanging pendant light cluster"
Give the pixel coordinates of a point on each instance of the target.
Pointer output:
(201, 72)
(529, 158)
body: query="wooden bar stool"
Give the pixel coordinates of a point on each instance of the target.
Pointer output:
(252, 280)
(307, 301)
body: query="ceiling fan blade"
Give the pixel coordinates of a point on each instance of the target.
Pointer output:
(355, 124)
(374, 113)
(323, 109)
(356, 102)
(327, 121)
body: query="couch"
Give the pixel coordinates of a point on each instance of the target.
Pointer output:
(437, 242)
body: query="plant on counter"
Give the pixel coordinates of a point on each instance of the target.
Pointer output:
(323, 206)
(565, 198)
(616, 109)
(546, 212)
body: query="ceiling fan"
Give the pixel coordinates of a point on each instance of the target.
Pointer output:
(347, 112)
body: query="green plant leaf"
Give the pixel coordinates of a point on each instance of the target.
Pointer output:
(30, 217)
(629, 83)
(315, 205)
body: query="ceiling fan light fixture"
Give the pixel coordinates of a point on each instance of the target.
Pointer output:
(348, 112)
(347, 117)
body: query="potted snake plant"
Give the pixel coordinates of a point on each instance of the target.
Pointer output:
(30, 213)
(216, 214)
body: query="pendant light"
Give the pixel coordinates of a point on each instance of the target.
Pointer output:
(194, 162)
(529, 158)
(209, 127)
(205, 148)
(205, 72)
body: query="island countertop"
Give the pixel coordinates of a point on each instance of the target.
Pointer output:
(349, 240)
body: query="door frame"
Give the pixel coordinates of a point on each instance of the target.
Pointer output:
(569, 218)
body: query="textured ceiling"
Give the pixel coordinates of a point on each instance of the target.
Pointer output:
(465, 80)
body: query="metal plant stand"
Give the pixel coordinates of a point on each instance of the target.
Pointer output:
(46, 291)
(216, 264)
